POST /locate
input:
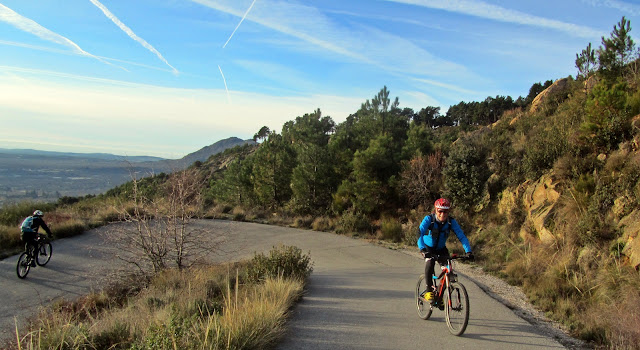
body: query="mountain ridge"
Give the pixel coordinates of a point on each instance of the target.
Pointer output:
(45, 175)
(102, 156)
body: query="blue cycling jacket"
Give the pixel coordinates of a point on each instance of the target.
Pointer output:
(426, 239)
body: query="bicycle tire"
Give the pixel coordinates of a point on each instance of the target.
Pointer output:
(424, 308)
(456, 301)
(44, 253)
(23, 266)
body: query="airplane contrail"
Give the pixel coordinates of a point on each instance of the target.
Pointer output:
(130, 33)
(30, 26)
(225, 84)
(243, 17)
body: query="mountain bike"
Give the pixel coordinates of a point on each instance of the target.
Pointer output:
(449, 295)
(40, 253)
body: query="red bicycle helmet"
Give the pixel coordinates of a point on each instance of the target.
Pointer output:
(442, 203)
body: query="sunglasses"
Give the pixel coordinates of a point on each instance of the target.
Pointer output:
(442, 211)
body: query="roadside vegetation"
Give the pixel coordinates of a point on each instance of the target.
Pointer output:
(547, 186)
(233, 306)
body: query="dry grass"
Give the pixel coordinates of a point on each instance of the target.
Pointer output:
(304, 222)
(9, 240)
(252, 319)
(323, 223)
(199, 308)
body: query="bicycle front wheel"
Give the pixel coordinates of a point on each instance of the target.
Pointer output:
(424, 307)
(456, 301)
(44, 254)
(23, 266)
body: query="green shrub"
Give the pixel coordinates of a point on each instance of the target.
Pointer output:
(9, 241)
(116, 337)
(466, 173)
(546, 145)
(391, 230)
(13, 214)
(285, 261)
(322, 223)
(9, 236)
(303, 221)
(69, 228)
(410, 234)
(353, 221)
(106, 216)
(239, 214)
(226, 209)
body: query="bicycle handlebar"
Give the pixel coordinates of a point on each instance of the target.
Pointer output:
(438, 257)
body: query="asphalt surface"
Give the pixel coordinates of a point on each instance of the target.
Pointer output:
(360, 295)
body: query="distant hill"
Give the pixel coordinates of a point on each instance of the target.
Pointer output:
(45, 176)
(101, 156)
(205, 152)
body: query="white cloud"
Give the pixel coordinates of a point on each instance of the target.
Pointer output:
(276, 72)
(420, 100)
(497, 13)
(618, 5)
(130, 33)
(110, 115)
(239, 23)
(447, 86)
(11, 17)
(360, 44)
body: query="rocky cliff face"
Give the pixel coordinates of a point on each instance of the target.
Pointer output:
(540, 201)
(630, 225)
(556, 89)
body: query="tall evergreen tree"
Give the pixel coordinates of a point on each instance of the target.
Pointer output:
(586, 62)
(617, 50)
(313, 180)
(273, 164)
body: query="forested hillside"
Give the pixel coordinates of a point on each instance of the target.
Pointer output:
(546, 186)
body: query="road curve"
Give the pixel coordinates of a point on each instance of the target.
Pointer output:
(360, 295)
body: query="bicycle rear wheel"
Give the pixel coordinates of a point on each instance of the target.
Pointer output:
(456, 301)
(23, 266)
(424, 307)
(44, 254)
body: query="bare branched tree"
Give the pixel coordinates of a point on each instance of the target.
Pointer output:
(421, 179)
(184, 202)
(161, 230)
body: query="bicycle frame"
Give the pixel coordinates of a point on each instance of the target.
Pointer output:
(443, 279)
(450, 296)
(446, 277)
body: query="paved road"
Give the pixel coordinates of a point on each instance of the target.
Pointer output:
(360, 295)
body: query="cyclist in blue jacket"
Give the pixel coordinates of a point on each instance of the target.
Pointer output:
(434, 231)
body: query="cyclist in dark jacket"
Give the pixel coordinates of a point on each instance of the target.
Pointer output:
(434, 231)
(29, 230)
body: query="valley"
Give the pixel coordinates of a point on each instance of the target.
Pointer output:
(47, 176)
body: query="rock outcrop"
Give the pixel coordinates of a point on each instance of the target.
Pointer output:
(538, 199)
(630, 225)
(559, 87)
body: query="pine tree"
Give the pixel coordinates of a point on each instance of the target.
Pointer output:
(616, 51)
(586, 62)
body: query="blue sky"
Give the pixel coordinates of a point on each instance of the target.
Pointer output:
(168, 77)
